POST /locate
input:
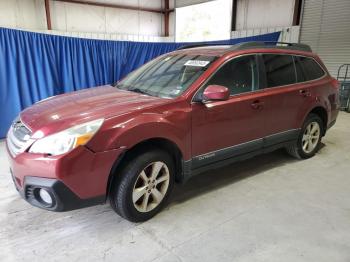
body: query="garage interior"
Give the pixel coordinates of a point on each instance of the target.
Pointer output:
(268, 208)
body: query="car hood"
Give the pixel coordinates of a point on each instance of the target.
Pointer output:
(63, 111)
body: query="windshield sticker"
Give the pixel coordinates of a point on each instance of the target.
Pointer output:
(175, 91)
(199, 63)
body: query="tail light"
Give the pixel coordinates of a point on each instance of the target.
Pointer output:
(335, 84)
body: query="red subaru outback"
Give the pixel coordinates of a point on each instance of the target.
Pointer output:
(180, 114)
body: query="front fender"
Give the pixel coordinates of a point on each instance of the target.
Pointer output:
(127, 132)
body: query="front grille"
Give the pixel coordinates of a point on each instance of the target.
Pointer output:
(18, 138)
(29, 192)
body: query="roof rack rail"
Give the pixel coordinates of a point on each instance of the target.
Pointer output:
(196, 45)
(256, 44)
(272, 44)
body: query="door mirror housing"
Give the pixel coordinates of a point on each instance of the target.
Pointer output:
(216, 93)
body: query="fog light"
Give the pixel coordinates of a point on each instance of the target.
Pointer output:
(45, 196)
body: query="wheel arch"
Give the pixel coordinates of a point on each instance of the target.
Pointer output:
(151, 143)
(322, 113)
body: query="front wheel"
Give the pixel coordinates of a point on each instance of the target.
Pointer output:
(309, 139)
(143, 186)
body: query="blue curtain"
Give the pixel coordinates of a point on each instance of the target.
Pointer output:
(34, 66)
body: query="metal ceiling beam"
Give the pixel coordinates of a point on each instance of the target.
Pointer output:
(48, 15)
(135, 8)
(166, 17)
(297, 12)
(234, 15)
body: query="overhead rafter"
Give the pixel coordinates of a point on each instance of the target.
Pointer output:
(145, 9)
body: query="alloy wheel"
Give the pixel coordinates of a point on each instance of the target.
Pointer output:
(311, 137)
(151, 186)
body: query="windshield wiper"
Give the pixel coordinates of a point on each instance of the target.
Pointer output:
(138, 90)
(121, 86)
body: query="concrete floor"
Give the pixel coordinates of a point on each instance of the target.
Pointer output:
(270, 208)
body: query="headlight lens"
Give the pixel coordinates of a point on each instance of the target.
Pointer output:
(66, 140)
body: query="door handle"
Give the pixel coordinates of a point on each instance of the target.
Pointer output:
(257, 105)
(304, 92)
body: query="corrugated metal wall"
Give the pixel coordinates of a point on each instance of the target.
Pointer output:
(255, 14)
(326, 27)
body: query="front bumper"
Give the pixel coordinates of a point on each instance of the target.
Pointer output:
(63, 199)
(73, 180)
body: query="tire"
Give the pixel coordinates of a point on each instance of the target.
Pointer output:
(298, 149)
(131, 189)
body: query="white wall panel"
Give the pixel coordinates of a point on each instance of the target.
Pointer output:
(122, 21)
(78, 18)
(181, 3)
(8, 13)
(172, 18)
(30, 15)
(252, 14)
(58, 16)
(150, 23)
(288, 34)
(141, 3)
(85, 18)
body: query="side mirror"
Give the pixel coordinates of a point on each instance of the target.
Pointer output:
(216, 93)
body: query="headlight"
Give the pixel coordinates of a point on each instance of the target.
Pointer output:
(66, 140)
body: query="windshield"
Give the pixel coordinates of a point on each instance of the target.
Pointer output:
(167, 76)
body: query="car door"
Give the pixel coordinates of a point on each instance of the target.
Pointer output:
(224, 129)
(285, 98)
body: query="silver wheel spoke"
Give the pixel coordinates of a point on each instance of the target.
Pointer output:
(314, 129)
(157, 195)
(305, 145)
(308, 129)
(162, 179)
(305, 138)
(138, 193)
(144, 204)
(144, 176)
(156, 167)
(309, 147)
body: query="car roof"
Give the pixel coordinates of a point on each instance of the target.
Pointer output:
(220, 50)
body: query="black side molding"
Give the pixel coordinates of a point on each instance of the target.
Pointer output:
(230, 155)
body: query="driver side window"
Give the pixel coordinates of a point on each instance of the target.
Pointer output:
(239, 75)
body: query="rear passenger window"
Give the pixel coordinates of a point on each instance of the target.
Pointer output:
(311, 68)
(279, 70)
(239, 75)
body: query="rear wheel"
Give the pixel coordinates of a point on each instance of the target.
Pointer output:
(143, 186)
(309, 139)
